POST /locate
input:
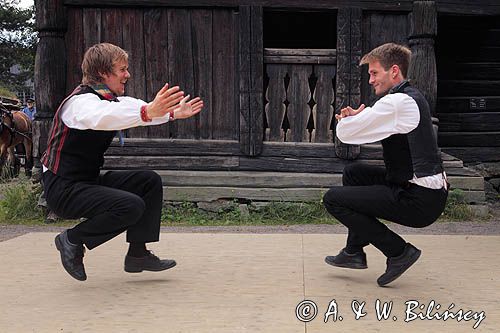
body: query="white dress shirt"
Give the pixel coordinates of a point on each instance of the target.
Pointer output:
(88, 111)
(392, 114)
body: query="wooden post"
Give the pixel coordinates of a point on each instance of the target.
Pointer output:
(50, 71)
(423, 29)
(251, 73)
(348, 71)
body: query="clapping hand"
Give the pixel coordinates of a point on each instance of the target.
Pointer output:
(349, 111)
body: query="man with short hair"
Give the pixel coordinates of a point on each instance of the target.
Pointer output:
(30, 108)
(116, 201)
(410, 190)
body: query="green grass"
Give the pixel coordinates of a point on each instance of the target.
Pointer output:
(19, 202)
(275, 213)
(19, 197)
(456, 207)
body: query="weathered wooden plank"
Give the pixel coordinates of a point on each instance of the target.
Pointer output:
(468, 104)
(391, 5)
(275, 108)
(301, 52)
(475, 154)
(92, 26)
(323, 110)
(298, 96)
(422, 70)
(481, 7)
(469, 87)
(460, 171)
(467, 183)
(256, 81)
(250, 179)
(291, 164)
(201, 25)
(395, 29)
(251, 78)
(172, 147)
(180, 69)
(300, 56)
(181, 193)
(74, 49)
(469, 70)
(156, 60)
(225, 119)
(469, 122)
(472, 139)
(133, 43)
(300, 60)
(110, 19)
(347, 89)
(256, 179)
(175, 193)
(172, 162)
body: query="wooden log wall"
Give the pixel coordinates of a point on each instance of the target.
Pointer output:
(379, 28)
(195, 49)
(299, 94)
(422, 72)
(469, 87)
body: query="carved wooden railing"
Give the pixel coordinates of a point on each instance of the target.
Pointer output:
(299, 95)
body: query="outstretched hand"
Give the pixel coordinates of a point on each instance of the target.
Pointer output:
(349, 111)
(166, 100)
(188, 108)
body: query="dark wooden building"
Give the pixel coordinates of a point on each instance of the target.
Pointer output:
(272, 75)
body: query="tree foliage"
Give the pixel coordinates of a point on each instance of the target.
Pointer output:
(18, 41)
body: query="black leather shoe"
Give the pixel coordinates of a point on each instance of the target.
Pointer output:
(150, 262)
(398, 265)
(71, 256)
(347, 260)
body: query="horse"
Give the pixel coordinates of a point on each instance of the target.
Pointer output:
(15, 129)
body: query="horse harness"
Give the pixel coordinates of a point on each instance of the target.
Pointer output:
(12, 129)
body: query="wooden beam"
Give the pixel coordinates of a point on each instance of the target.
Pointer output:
(181, 193)
(473, 104)
(392, 5)
(473, 139)
(475, 154)
(469, 122)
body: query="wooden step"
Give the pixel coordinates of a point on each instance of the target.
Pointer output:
(195, 194)
(275, 186)
(474, 154)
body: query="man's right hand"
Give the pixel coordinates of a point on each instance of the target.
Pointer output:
(349, 111)
(166, 100)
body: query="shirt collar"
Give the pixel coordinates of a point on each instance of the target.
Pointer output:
(399, 87)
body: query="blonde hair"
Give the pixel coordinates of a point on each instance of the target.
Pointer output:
(389, 54)
(99, 59)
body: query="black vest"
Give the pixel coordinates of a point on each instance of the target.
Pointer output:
(72, 153)
(415, 152)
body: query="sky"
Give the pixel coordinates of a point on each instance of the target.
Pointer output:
(26, 3)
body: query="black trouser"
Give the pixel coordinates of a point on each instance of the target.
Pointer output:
(115, 202)
(366, 196)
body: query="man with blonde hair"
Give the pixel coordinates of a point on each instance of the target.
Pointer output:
(410, 190)
(115, 201)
